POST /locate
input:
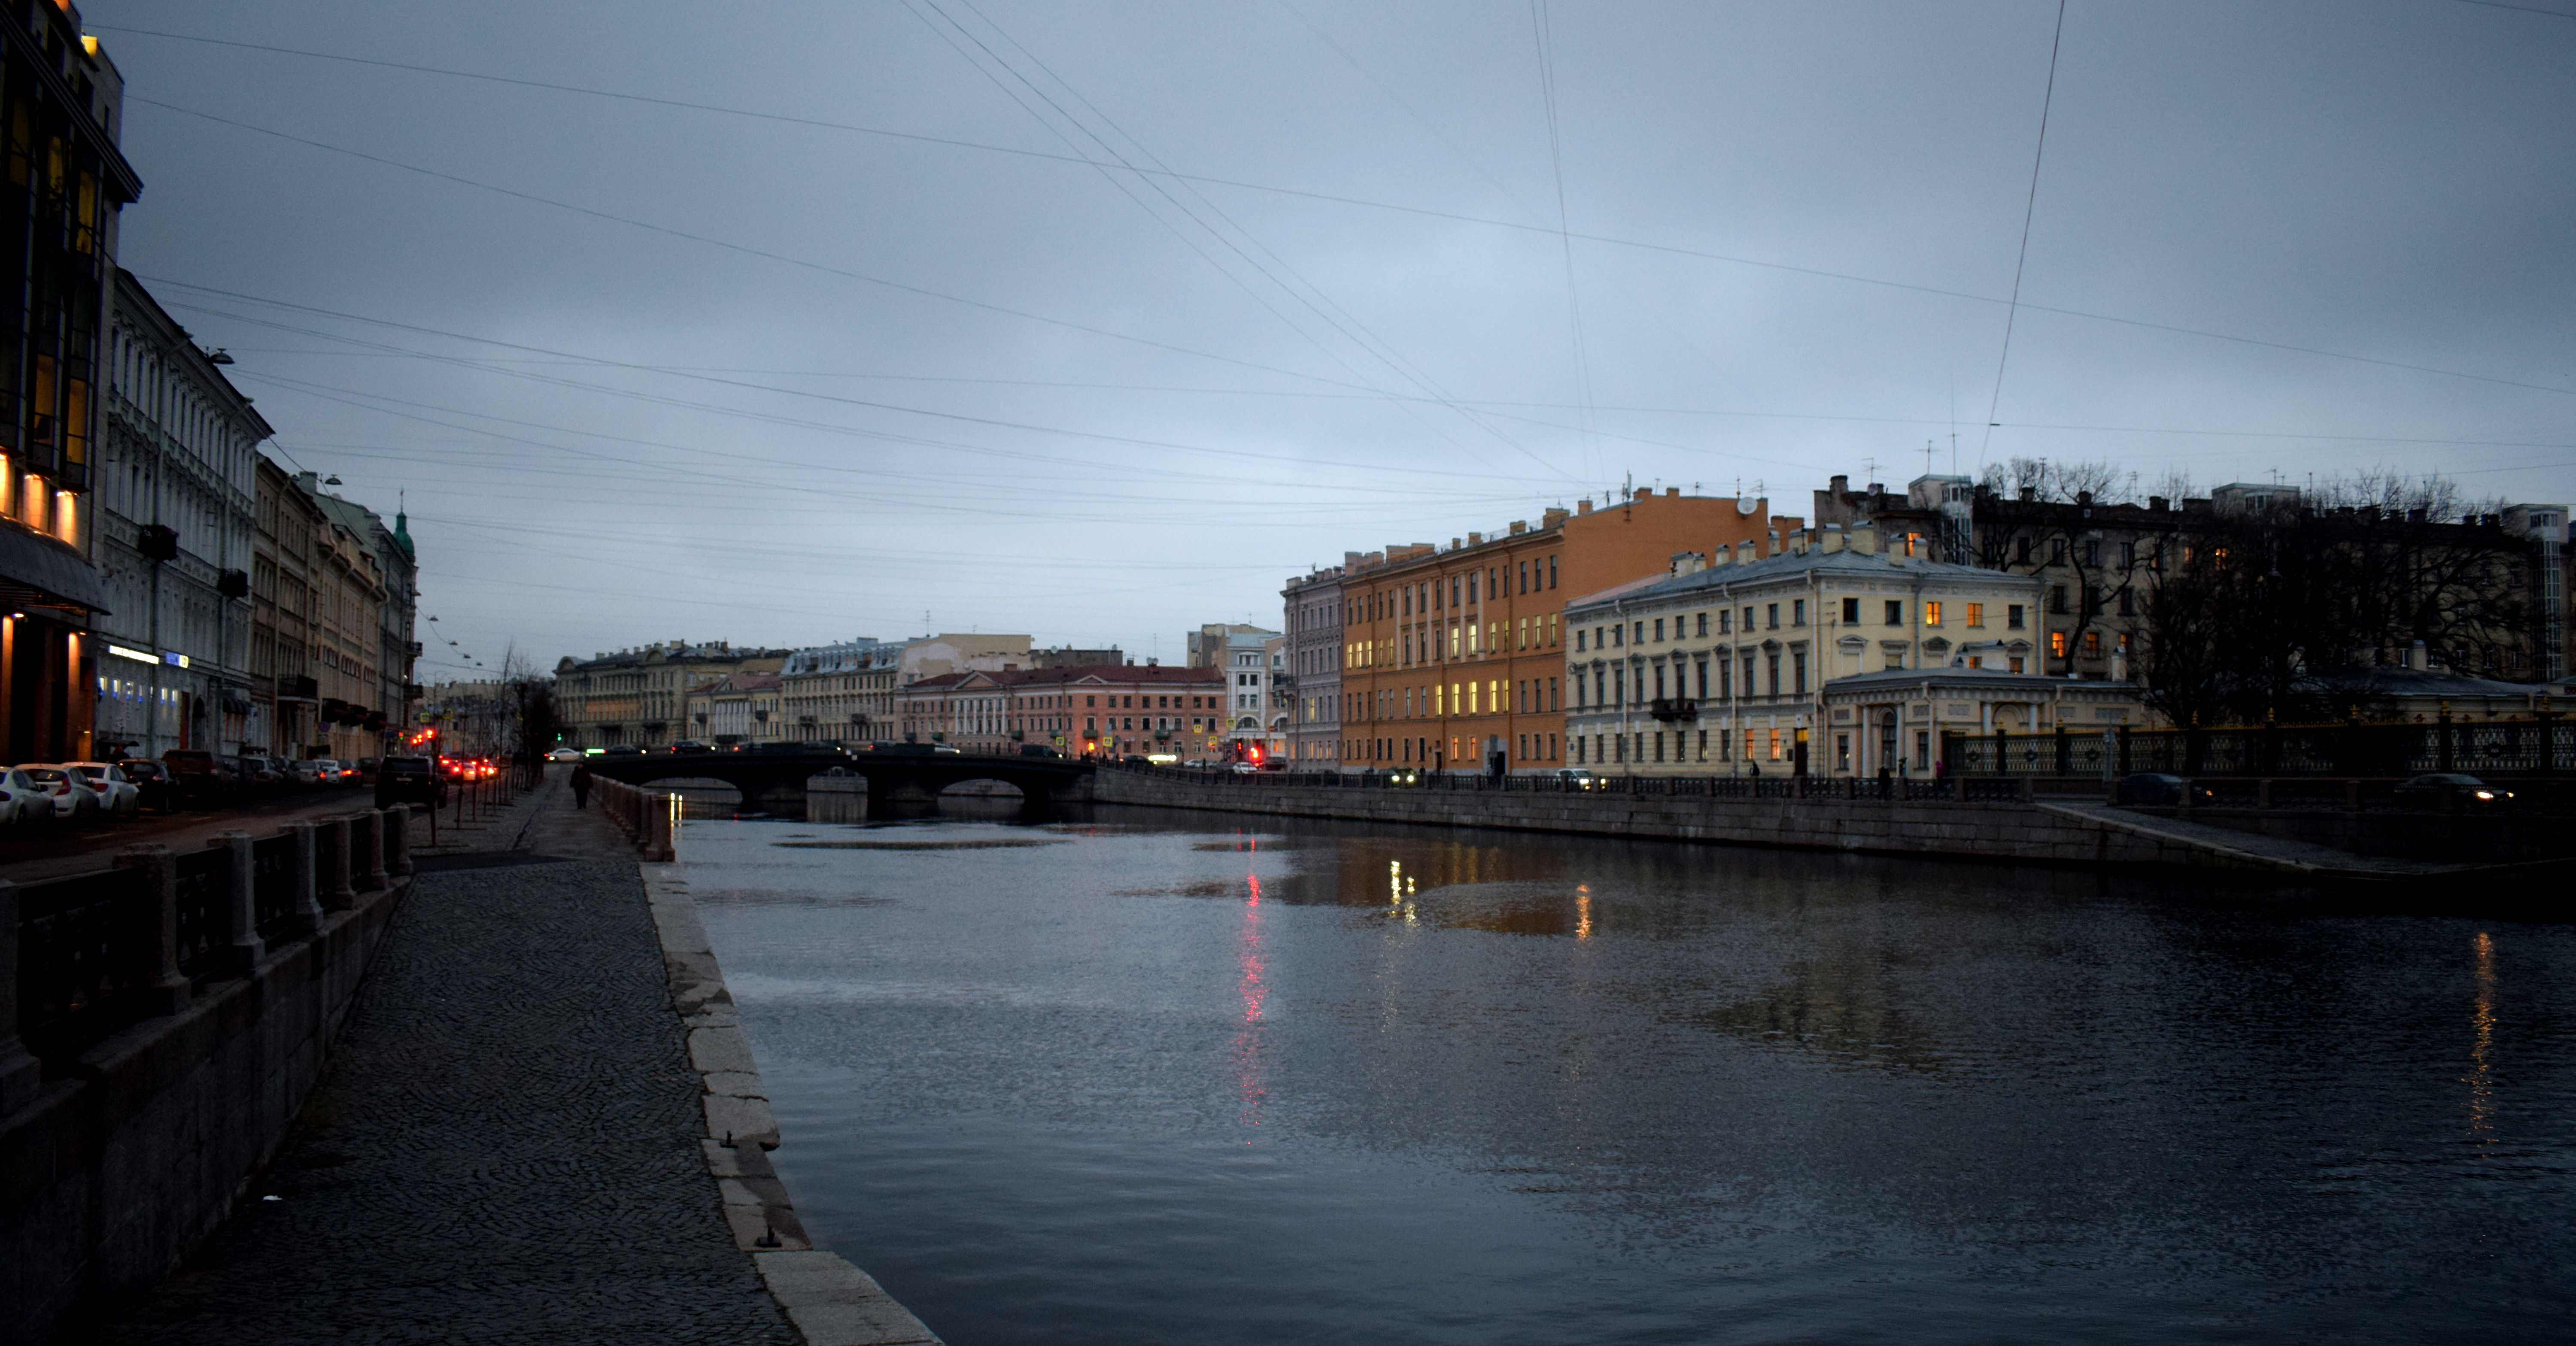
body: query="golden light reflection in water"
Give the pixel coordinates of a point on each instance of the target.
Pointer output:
(1252, 982)
(2482, 1019)
(1398, 888)
(1583, 911)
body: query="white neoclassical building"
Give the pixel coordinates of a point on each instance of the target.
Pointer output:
(1720, 665)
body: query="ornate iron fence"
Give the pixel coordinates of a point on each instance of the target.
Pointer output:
(86, 953)
(2540, 746)
(205, 911)
(272, 885)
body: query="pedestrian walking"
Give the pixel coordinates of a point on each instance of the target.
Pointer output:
(581, 786)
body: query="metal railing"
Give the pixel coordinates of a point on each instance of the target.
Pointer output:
(2542, 745)
(89, 954)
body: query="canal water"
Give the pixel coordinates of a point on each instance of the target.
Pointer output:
(1165, 1077)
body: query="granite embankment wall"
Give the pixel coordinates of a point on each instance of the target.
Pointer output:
(1997, 831)
(122, 1158)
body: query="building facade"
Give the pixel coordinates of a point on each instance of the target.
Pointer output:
(175, 494)
(1455, 657)
(1166, 714)
(824, 691)
(1891, 723)
(739, 709)
(370, 655)
(286, 698)
(59, 206)
(1718, 666)
(1313, 681)
(640, 696)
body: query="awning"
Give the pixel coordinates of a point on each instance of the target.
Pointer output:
(36, 570)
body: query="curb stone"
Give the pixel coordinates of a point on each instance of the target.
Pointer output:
(830, 1302)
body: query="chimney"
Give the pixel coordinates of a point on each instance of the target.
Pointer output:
(1583, 506)
(1672, 493)
(1841, 487)
(2157, 504)
(1645, 493)
(1722, 556)
(1864, 541)
(1773, 538)
(1747, 552)
(308, 482)
(1832, 539)
(1519, 526)
(1475, 539)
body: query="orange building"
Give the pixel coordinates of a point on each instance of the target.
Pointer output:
(1452, 657)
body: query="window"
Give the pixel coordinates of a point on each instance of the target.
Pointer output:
(1619, 634)
(1725, 623)
(1932, 614)
(1471, 586)
(2012, 620)
(2092, 552)
(1641, 633)
(1798, 667)
(2128, 603)
(2057, 598)
(1976, 614)
(2057, 551)
(1659, 628)
(1578, 640)
(1771, 611)
(2056, 644)
(2016, 663)
(1896, 657)
(1703, 623)
(1551, 699)
(1551, 572)
(2021, 551)
(1895, 612)
(2092, 644)
(1701, 665)
(1772, 661)
(1524, 589)
(1851, 612)
(1798, 613)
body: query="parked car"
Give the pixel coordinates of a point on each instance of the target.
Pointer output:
(571, 754)
(117, 796)
(2452, 789)
(367, 770)
(72, 799)
(311, 771)
(21, 798)
(1576, 778)
(2149, 787)
(693, 745)
(198, 776)
(409, 780)
(258, 775)
(151, 783)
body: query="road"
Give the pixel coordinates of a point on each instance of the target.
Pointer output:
(42, 853)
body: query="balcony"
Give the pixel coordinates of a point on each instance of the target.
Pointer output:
(1674, 708)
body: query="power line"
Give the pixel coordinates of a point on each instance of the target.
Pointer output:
(1565, 244)
(1701, 254)
(2029, 208)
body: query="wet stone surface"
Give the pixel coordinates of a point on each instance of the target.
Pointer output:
(505, 1149)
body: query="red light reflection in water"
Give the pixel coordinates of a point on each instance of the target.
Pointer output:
(1250, 964)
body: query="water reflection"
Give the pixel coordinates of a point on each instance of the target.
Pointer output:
(2482, 1023)
(1539, 1089)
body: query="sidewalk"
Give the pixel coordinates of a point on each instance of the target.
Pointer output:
(507, 1145)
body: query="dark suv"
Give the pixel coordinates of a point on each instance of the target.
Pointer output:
(409, 780)
(198, 776)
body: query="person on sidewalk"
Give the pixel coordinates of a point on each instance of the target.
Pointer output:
(581, 786)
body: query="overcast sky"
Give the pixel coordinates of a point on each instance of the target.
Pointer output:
(869, 343)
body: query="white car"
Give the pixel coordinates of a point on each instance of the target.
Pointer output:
(313, 771)
(117, 796)
(71, 797)
(565, 755)
(20, 797)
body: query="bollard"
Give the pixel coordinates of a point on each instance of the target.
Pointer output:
(367, 833)
(170, 992)
(20, 1074)
(309, 889)
(243, 900)
(398, 841)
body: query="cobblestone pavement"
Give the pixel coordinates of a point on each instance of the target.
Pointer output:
(505, 1149)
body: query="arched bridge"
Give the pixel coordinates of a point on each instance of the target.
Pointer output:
(776, 781)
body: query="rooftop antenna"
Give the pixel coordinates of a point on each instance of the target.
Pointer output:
(1927, 458)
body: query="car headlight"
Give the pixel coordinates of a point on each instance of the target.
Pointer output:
(2486, 794)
